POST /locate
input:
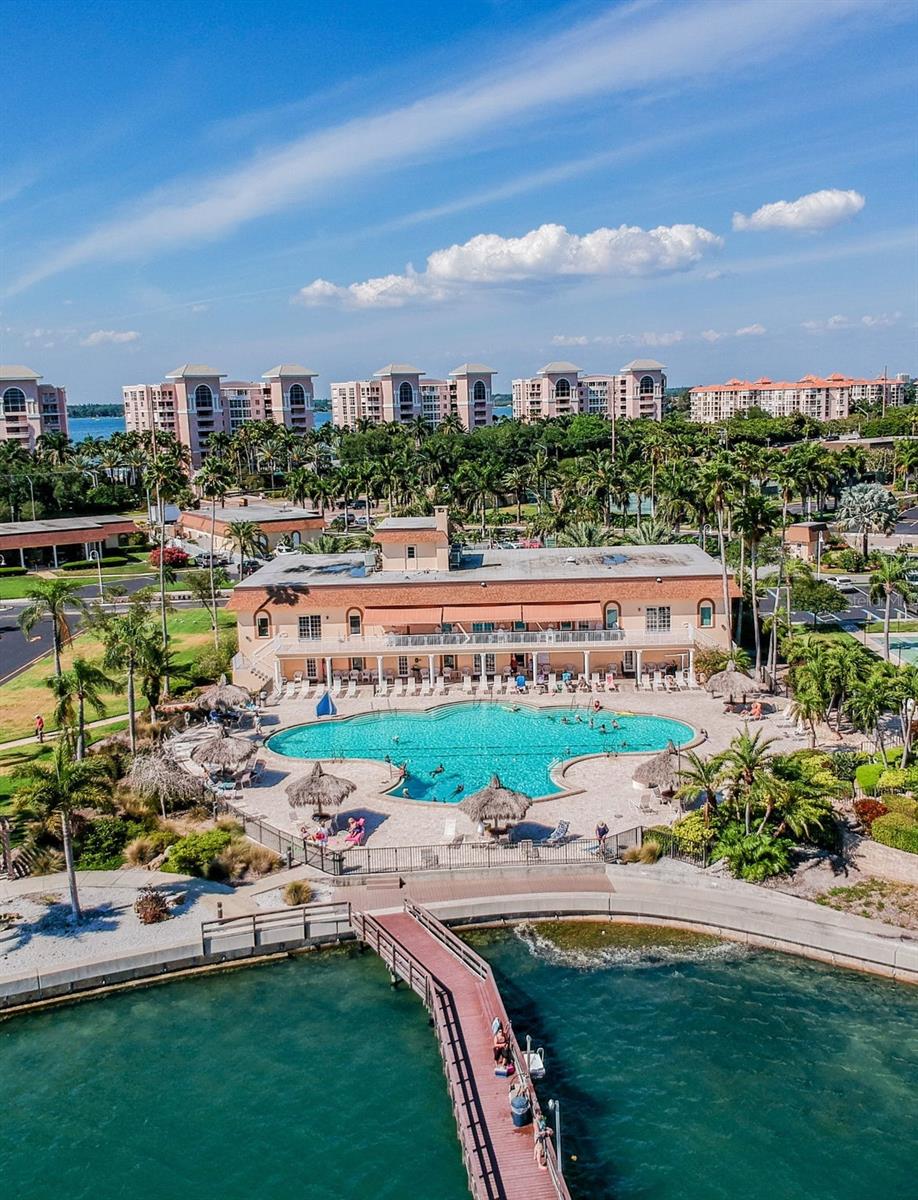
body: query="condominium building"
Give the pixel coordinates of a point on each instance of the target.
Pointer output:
(400, 392)
(561, 389)
(823, 399)
(420, 608)
(194, 401)
(29, 407)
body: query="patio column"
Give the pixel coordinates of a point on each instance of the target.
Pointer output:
(637, 668)
(586, 664)
(535, 665)
(54, 555)
(379, 668)
(691, 659)
(21, 557)
(430, 669)
(328, 671)
(278, 678)
(481, 667)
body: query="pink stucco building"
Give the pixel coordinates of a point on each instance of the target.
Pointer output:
(28, 407)
(562, 389)
(401, 392)
(823, 399)
(194, 401)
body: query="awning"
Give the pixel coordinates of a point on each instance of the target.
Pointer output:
(401, 616)
(577, 610)
(482, 612)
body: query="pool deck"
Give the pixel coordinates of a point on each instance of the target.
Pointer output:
(598, 787)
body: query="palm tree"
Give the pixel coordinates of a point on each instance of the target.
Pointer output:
(61, 787)
(249, 539)
(890, 577)
(843, 665)
(516, 480)
(654, 532)
(719, 478)
(49, 600)
(906, 460)
(870, 701)
(586, 533)
(746, 765)
(165, 477)
(701, 777)
(754, 519)
(867, 508)
(54, 448)
(83, 684)
(214, 479)
(129, 641)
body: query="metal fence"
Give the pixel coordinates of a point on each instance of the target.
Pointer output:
(272, 927)
(375, 860)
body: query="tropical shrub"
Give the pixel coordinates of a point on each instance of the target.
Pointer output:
(867, 811)
(692, 835)
(905, 805)
(298, 891)
(147, 846)
(897, 831)
(244, 858)
(752, 856)
(101, 846)
(151, 906)
(46, 861)
(868, 776)
(893, 779)
(845, 764)
(196, 853)
(173, 556)
(214, 661)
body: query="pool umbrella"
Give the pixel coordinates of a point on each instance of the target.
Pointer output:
(495, 804)
(730, 682)
(660, 772)
(222, 751)
(319, 790)
(224, 696)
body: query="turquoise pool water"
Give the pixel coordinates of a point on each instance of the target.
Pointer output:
(903, 646)
(685, 1071)
(473, 741)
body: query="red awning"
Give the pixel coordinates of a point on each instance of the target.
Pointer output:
(574, 611)
(482, 612)
(401, 616)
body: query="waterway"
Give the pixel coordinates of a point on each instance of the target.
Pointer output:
(685, 1068)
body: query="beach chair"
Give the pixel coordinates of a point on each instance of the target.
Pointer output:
(382, 688)
(281, 692)
(558, 835)
(658, 682)
(336, 686)
(352, 689)
(483, 688)
(398, 688)
(553, 681)
(498, 686)
(467, 684)
(297, 677)
(594, 681)
(440, 689)
(670, 684)
(426, 687)
(321, 689)
(449, 831)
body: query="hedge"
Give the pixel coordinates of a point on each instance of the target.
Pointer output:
(897, 831)
(868, 776)
(894, 779)
(7, 572)
(904, 805)
(86, 564)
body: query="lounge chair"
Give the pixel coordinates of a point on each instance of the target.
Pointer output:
(294, 690)
(595, 684)
(467, 684)
(382, 688)
(692, 683)
(659, 683)
(440, 689)
(297, 677)
(352, 689)
(484, 687)
(498, 687)
(552, 681)
(426, 687)
(398, 688)
(670, 683)
(558, 835)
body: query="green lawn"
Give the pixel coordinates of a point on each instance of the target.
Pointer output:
(15, 763)
(894, 627)
(21, 698)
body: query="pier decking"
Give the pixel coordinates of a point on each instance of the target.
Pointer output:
(459, 990)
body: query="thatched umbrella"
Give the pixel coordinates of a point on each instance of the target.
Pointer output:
(660, 772)
(224, 696)
(222, 751)
(319, 790)
(730, 682)
(495, 804)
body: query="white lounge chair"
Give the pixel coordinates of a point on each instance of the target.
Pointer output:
(594, 681)
(352, 689)
(693, 682)
(336, 687)
(297, 676)
(306, 690)
(426, 687)
(382, 688)
(498, 686)
(281, 691)
(398, 688)
(552, 681)
(440, 689)
(658, 684)
(294, 690)
(467, 684)
(484, 687)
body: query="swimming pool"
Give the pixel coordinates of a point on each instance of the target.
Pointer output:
(903, 647)
(455, 749)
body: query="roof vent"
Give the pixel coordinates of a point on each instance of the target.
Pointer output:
(570, 559)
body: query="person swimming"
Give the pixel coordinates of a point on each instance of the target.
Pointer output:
(615, 724)
(438, 770)
(459, 789)
(396, 738)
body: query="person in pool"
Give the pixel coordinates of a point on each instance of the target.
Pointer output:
(459, 789)
(438, 770)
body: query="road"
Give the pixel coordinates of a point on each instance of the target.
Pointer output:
(858, 610)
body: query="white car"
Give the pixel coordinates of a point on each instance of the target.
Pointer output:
(282, 549)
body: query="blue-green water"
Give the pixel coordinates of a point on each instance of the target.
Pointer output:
(686, 1070)
(81, 428)
(470, 742)
(903, 647)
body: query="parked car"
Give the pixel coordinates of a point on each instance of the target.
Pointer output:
(218, 560)
(844, 584)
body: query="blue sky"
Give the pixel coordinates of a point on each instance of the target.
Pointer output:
(727, 187)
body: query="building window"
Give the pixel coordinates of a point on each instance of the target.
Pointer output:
(658, 619)
(562, 389)
(581, 625)
(446, 627)
(14, 401)
(449, 662)
(312, 668)
(613, 616)
(403, 665)
(262, 625)
(356, 664)
(405, 393)
(411, 553)
(482, 627)
(297, 394)
(353, 624)
(520, 626)
(479, 391)
(203, 396)
(706, 614)
(310, 628)
(566, 625)
(646, 385)
(490, 664)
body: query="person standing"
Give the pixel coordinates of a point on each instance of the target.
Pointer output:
(602, 832)
(40, 727)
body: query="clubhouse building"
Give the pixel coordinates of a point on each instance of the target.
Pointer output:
(418, 608)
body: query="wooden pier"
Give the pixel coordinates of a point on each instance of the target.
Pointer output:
(458, 989)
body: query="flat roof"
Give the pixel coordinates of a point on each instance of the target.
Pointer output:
(61, 524)
(255, 512)
(406, 523)
(484, 566)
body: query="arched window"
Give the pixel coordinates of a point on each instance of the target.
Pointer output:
(479, 391)
(706, 614)
(203, 396)
(354, 622)
(14, 400)
(297, 394)
(405, 393)
(613, 616)
(562, 389)
(646, 385)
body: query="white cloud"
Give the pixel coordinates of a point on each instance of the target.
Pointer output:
(753, 330)
(684, 43)
(548, 252)
(110, 337)
(199, 308)
(712, 335)
(651, 338)
(832, 324)
(561, 339)
(881, 320)
(807, 214)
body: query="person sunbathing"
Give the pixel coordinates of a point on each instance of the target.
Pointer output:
(356, 832)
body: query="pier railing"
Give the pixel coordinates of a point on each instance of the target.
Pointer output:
(273, 927)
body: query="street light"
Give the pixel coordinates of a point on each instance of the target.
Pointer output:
(820, 542)
(555, 1107)
(96, 557)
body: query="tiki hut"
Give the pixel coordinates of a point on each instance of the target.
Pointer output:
(320, 791)
(731, 683)
(660, 772)
(224, 697)
(495, 806)
(222, 752)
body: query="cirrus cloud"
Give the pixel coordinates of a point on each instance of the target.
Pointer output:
(110, 337)
(807, 214)
(549, 252)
